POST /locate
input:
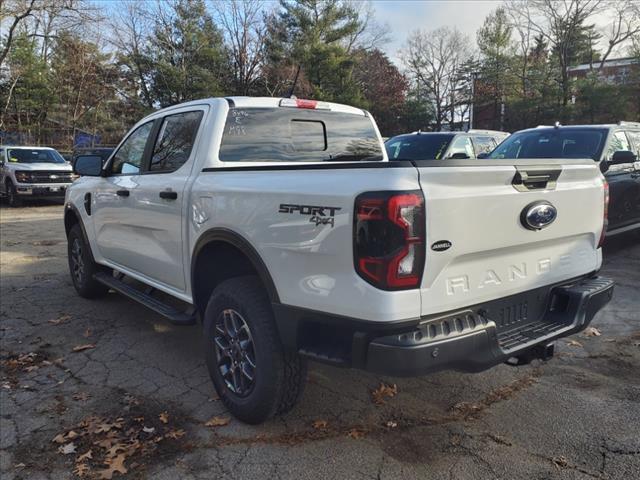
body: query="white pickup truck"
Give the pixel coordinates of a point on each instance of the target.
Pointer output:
(281, 225)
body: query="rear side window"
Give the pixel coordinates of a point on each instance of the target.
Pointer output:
(421, 146)
(634, 138)
(619, 142)
(175, 141)
(283, 134)
(461, 148)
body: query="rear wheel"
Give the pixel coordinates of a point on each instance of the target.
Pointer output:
(252, 373)
(82, 267)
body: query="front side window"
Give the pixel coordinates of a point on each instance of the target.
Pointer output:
(175, 141)
(34, 155)
(282, 134)
(461, 148)
(420, 146)
(618, 143)
(553, 143)
(484, 144)
(128, 158)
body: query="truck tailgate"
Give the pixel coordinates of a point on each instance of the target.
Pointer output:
(479, 209)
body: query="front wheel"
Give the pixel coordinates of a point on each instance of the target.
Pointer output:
(13, 199)
(81, 265)
(252, 373)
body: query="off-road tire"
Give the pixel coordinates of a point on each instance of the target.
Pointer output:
(83, 281)
(13, 199)
(279, 375)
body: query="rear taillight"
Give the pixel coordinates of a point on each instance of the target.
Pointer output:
(389, 239)
(605, 217)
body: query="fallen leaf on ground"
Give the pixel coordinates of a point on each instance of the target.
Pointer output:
(164, 417)
(574, 343)
(218, 422)
(87, 333)
(81, 470)
(320, 424)
(115, 465)
(19, 465)
(383, 391)
(85, 456)
(175, 434)
(60, 319)
(81, 348)
(356, 433)
(67, 449)
(592, 332)
(391, 424)
(64, 437)
(560, 462)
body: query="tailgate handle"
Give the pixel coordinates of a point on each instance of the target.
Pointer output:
(535, 177)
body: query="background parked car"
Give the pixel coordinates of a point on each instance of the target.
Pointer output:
(33, 172)
(443, 145)
(616, 147)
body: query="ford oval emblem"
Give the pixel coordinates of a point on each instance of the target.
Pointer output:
(538, 215)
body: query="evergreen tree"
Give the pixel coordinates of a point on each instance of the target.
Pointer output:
(186, 55)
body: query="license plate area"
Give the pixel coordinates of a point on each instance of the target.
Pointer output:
(518, 310)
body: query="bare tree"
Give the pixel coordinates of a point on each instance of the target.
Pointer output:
(244, 31)
(560, 23)
(15, 12)
(131, 27)
(434, 59)
(371, 34)
(624, 27)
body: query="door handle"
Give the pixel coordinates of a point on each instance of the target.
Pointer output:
(122, 193)
(168, 195)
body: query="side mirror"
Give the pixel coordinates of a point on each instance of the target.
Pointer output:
(459, 156)
(483, 155)
(623, 156)
(88, 165)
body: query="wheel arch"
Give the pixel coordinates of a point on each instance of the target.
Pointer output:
(230, 255)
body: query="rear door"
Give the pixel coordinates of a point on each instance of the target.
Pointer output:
(480, 208)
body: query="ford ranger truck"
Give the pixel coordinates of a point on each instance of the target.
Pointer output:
(282, 227)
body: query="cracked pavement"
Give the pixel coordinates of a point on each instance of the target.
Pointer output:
(576, 416)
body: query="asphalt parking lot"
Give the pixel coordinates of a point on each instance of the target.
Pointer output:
(108, 389)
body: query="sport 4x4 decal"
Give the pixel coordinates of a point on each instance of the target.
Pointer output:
(319, 215)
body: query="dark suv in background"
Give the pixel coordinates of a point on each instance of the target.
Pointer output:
(615, 147)
(443, 145)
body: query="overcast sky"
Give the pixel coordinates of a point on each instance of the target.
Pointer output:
(405, 16)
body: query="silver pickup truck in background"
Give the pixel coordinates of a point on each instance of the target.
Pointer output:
(33, 172)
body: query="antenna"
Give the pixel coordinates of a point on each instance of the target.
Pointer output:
(295, 81)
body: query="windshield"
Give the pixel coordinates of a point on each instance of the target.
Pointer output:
(34, 155)
(553, 143)
(283, 134)
(424, 146)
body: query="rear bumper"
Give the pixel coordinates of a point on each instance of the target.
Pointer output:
(470, 340)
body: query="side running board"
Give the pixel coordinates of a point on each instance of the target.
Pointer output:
(174, 315)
